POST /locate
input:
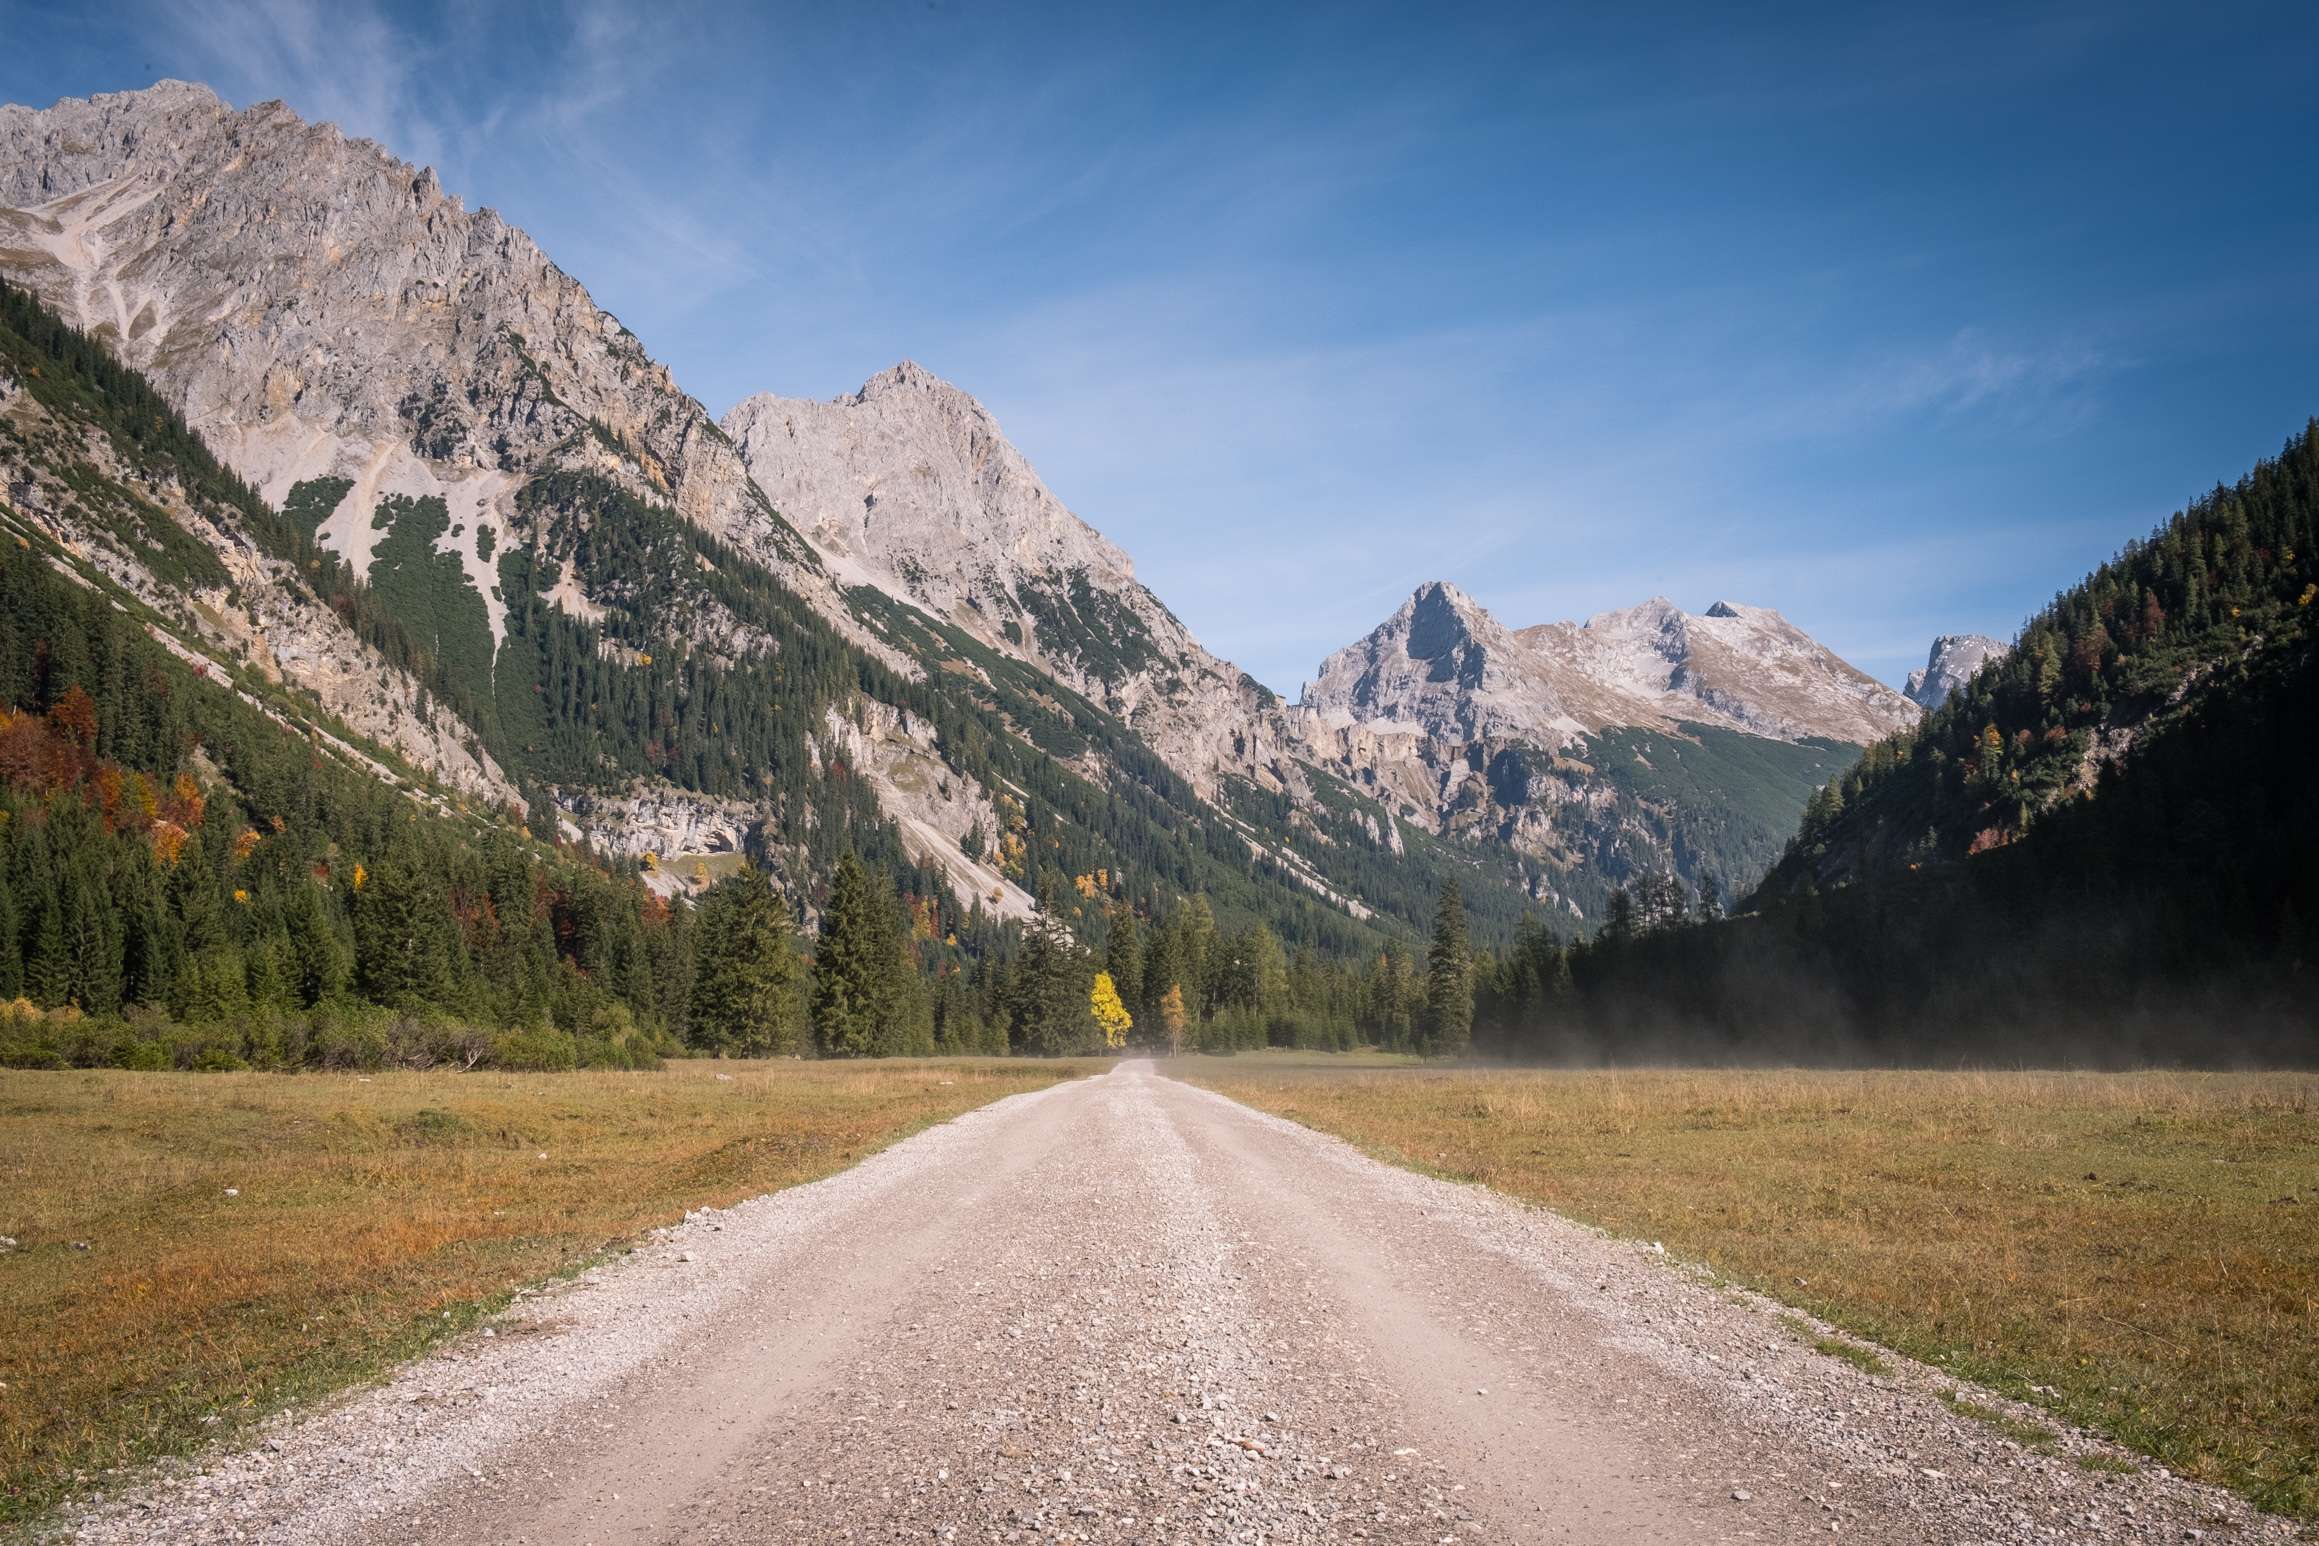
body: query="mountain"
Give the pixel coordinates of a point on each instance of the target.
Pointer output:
(2216, 600)
(909, 487)
(215, 845)
(2103, 845)
(1642, 741)
(865, 623)
(598, 615)
(321, 310)
(1954, 659)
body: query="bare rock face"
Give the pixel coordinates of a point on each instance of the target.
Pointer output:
(1955, 659)
(909, 486)
(317, 308)
(1474, 730)
(1444, 665)
(69, 483)
(946, 819)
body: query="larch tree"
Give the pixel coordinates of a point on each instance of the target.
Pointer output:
(1172, 1017)
(1111, 1016)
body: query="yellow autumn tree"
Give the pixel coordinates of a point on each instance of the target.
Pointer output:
(1103, 1002)
(1173, 1018)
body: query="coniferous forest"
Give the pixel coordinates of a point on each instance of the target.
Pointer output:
(2100, 848)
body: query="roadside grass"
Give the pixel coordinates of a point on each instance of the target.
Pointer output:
(150, 1310)
(2027, 1434)
(2136, 1253)
(1865, 1359)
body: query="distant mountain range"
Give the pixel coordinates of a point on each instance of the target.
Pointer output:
(683, 638)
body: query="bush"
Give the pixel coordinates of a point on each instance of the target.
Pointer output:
(348, 1035)
(541, 1048)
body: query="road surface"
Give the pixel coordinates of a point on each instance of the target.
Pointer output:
(1124, 1309)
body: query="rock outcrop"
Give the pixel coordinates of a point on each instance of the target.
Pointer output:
(908, 486)
(1954, 660)
(1590, 744)
(317, 308)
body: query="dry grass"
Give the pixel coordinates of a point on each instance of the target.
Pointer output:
(2143, 1246)
(374, 1214)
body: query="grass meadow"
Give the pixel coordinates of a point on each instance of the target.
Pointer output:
(2138, 1253)
(193, 1251)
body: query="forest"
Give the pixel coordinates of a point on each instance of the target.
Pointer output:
(2106, 836)
(2101, 850)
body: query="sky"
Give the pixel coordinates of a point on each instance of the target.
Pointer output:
(1898, 319)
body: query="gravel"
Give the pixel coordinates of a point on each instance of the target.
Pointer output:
(1125, 1309)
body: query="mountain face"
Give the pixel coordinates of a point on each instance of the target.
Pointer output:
(1641, 740)
(321, 310)
(1954, 659)
(495, 537)
(908, 487)
(589, 599)
(2219, 603)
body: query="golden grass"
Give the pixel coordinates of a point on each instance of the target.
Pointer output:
(374, 1214)
(2144, 1246)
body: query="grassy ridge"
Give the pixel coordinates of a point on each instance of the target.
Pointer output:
(2143, 1246)
(372, 1216)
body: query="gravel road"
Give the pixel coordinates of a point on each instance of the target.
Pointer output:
(1124, 1309)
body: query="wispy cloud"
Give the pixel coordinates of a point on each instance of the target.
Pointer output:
(1301, 306)
(340, 61)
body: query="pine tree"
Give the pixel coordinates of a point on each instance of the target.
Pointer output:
(320, 965)
(48, 964)
(402, 937)
(1449, 989)
(746, 976)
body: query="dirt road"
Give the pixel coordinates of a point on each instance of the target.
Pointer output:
(1127, 1310)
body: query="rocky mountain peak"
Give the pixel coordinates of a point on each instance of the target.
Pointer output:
(1444, 622)
(1442, 664)
(908, 485)
(1955, 658)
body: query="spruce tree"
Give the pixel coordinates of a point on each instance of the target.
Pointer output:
(746, 975)
(403, 937)
(1123, 955)
(854, 965)
(1449, 987)
(1048, 1006)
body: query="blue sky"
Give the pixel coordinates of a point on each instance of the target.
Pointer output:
(1895, 319)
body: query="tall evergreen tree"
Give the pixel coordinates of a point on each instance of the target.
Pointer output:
(854, 964)
(745, 999)
(1123, 955)
(1449, 985)
(1047, 1009)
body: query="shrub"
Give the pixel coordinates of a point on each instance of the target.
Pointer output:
(540, 1048)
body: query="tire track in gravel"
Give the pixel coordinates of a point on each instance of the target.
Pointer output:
(1124, 1309)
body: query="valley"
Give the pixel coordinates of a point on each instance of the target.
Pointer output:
(576, 967)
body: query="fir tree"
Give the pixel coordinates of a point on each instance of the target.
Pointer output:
(1047, 1008)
